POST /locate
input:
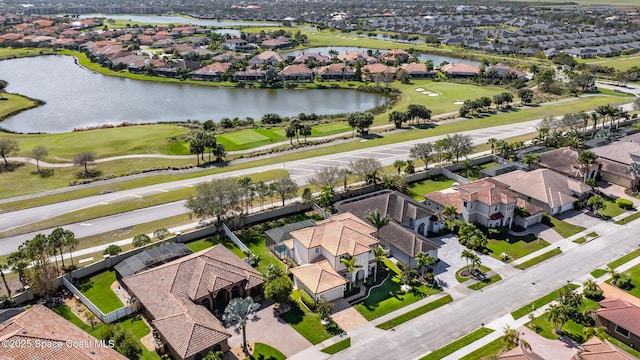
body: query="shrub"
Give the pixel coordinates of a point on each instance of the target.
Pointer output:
(595, 295)
(624, 203)
(307, 300)
(112, 250)
(623, 281)
(141, 240)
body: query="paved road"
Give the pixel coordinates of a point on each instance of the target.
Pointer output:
(299, 170)
(443, 325)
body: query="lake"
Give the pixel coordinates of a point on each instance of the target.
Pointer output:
(156, 19)
(437, 59)
(77, 97)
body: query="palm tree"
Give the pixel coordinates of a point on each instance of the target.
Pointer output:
(531, 158)
(70, 242)
(378, 221)
(634, 170)
(600, 332)
(592, 183)
(467, 255)
(424, 261)
(557, 314)
(350, 263)
(379, 255)
(511, 337)
(475, 261)
(3, 268)
(399, 164)
(450, 213)
(492, 142)
(467, 166)
(586, 159)
(520, 212)
(597, 203)
(238, 314)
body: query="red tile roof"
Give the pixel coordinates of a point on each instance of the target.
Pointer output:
(621, 313)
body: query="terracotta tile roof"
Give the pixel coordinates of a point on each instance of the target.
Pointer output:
(415, 67)
(596, 349)
(39, 324)
(318, 276)
(312, 56)
(213, 68)
(464, 69)
(296, 69)
(621, 313)
(266, 55)
(357, 55)
(449, 198)
(168, 293)
(487, 191)
(545, 185)
(520, 353)
(379, 68)
(531, 208)
(336, 68)
(341, 234)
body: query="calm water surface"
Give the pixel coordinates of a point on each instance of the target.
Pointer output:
(77, 97)
(155, 19)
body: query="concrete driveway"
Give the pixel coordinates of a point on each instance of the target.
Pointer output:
(617, 191)
(561, 349)
(450, 260)
(575, 217)
(273, 331)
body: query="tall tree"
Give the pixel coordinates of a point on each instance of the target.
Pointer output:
(460, 145)
(397, 118)
(586, 159)
(238, 314)
(57, 242)
(379, 255)
(38, 153)
(417, 111)
(634, 169)
(467, 255)
(366, 169)
(84, 159)
(492, 142)
(285, 187)
(450, 212)
(558, 315)
(422, 151)
(597, 203)
(4, 267)
(279, 290)
(262, 189)
(216, 199)
(378, 221)
(424, 262)
(326, 176)
(399, 164)
(71, 242)
(8, 147)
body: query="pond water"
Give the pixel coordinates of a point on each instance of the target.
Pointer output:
(77, 97)
(437, 59)
(157, 19)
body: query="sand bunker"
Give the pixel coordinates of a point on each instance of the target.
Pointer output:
(458, 102)
(434, 94)
(426, 92)
(419, 89)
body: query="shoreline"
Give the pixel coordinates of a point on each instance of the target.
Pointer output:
(36, 103)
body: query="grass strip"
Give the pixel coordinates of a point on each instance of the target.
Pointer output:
(415, 313)
(538, 303)
(624, 259)
(458, 344)
(265, 352)
(629, 218)
(598, 272)
(538, 259)
(337, 347)
(484, 283)
(623, 346)
(580, 240)
(488, 351)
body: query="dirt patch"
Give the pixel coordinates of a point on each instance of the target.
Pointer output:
(237, 353)
(81, 311)
(121, 292)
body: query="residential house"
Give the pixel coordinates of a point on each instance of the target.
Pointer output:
(39, 324)
(250, 75)
(352, 56)
(312, 57)
(553, 192)
(395, 55)
(296, 72)
(318, 250)
(486, 202)
(501, 70)
(212, 71)
(621, 319)
(267, 57)
(280, 42)
(234, 44)
(406, 234)
(379, 71)
(179, 299)
(596, 349)
(615, 159)
(337, 71)
(565, 161)
(418, 70)
(461, 70)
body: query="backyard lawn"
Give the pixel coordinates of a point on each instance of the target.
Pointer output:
(572, 329)
(561, 227)
(418, 189)
(202, 244)
(518, 246)
(472, 174)
(265, 352)
(388, 297)
(305, 322)
(98, 289)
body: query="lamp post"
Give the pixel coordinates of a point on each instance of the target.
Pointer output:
(506, 254)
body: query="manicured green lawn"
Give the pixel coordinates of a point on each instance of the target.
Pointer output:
(621, 63)
(418, 189)
(9, 53)
(572, 329)
(611, 208)
(538, 259)
(458, 344)
(265, 352)
(629, 218)
(337, 347)
(388, 297)
(409, 315)
(202, 244)
(484, 283)
(98, 289)
(634, 274)
(518, 247)
(539, 303)
(561, 227)
(624, 259)
(580, 240)
(473, 174)
(488, 351)
(65, 312)
(13, 103)
(305, 322)
(598, 272)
